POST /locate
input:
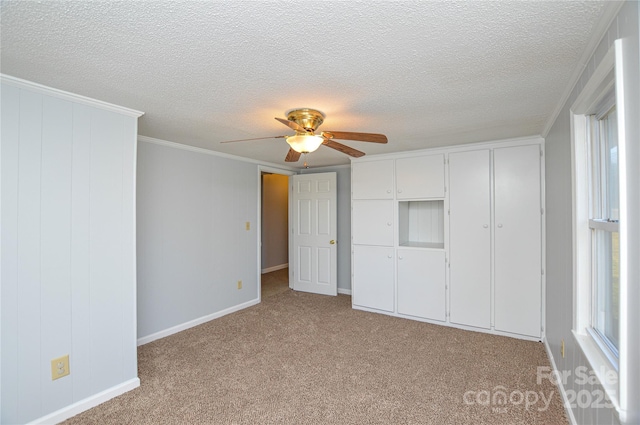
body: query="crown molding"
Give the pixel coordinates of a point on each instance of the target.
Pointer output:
(181, 146)
(597, 36)
(72, 97)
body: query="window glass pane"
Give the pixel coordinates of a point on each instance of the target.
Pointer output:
(607, 287)
(610, 127)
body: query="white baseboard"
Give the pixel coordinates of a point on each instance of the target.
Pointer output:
(344, 291)
(88, 403)
(274, 268)
(563, 393)
(178, 328)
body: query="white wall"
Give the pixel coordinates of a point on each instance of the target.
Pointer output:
(275, 221)
(343, 176)
(68, 249)
(559, 302)
(193, 246)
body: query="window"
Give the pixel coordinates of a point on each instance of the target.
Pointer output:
(602, 139)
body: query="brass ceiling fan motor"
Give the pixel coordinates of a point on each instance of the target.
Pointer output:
(305, 121)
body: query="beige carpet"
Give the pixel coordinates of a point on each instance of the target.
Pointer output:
(275, 282)
(300, 358)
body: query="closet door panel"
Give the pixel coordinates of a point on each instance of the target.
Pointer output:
(421, 283)
(372, 180)
(373, 277)
(470, 238)
(518, 264)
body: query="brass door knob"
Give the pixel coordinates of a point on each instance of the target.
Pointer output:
(332, 242)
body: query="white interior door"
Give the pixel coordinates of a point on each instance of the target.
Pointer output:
(314, 231)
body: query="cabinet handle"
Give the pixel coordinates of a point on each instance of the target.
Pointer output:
(388, 190)
(388, 223)
(399, 190)
(485, 226)
(500, 225)
(400, 257)
(389, 256)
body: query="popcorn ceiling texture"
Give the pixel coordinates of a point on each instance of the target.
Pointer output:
(424, 73)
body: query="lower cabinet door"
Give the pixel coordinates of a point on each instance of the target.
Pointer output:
(373, 277)
(421, 283)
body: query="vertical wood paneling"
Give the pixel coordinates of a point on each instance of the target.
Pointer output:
(80, 258)
(68, 240)
(9, 320)
(55, 245)
(129, 130)
(29, 331)
(106, 269)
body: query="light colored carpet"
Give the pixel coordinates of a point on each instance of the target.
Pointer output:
(301, 358)
(275, 282)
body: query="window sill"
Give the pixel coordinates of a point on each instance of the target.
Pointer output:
(601, 366)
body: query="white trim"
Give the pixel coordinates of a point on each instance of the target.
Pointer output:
(600, 365)
(597, 35)
(565, 399)
(88, 403)
(518, 141)
(344, 291)
(275, 268)
(182, 146)
(72, 97)
(276, 170)
(192, 323)
(449, 324)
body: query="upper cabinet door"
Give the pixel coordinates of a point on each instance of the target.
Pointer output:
(372, 180)
(420, 177)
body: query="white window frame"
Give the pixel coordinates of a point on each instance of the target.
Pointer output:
(619, 390)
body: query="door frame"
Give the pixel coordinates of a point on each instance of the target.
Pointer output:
(272, 170)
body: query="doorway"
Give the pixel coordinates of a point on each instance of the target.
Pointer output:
(274, 237)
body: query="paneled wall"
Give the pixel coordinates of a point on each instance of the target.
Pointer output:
(559, 303)
(193, 243)
(68, 249)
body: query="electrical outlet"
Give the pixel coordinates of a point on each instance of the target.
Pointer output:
(239, 284)
(562, 348)
(60, 367)
(247, 225)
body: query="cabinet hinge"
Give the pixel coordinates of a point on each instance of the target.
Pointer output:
(541, 211)
(448, 212)
(542, 272)
(541, 153)
(445, 189)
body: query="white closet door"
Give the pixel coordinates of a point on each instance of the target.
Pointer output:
(373, 277)
(372, 180)
(420, 177)
(517, 240)
(372, 222)
(470, 238)
(421, 283)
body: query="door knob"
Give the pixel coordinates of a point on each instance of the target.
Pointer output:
(332, 242)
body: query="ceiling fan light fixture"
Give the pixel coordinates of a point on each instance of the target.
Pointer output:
(304, 143)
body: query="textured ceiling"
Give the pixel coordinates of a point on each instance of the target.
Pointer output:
(424, 73)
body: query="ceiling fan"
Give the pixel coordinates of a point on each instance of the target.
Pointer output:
(305, 121)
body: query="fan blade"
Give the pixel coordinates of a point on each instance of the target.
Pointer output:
(292, 156)
(256, 138)
(361, 137)
(342, 148)
(293, 125)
